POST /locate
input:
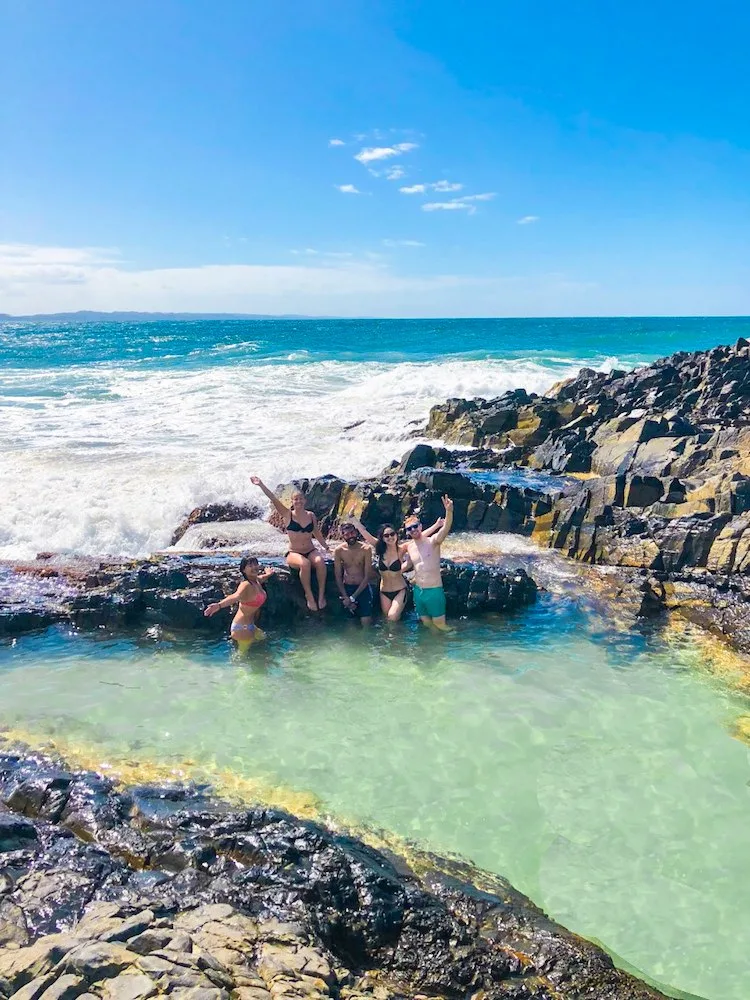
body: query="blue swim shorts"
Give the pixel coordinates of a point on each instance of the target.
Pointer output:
(429, 602)
(365, 599)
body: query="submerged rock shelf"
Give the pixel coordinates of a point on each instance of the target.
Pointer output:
(152, 890)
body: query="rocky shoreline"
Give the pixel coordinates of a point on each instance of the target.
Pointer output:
(172, 592)
(133, 893)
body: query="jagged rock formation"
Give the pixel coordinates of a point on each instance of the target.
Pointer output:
(667, 448)
(165, 890)
(173, 592)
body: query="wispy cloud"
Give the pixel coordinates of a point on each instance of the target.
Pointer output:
(371, 153)
(437, 186)
(402, 243)
(395, 173)
(336, 142)
(527, 220)
(347, 189)
(465, 203)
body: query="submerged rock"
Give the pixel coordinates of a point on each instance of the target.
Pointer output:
(256, 904)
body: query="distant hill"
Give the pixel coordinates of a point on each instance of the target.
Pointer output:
(89, 316)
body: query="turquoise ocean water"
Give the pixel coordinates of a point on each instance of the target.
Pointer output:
(593, 764)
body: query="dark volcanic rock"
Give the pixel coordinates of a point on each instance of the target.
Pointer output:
(254, 904)
(173, 592)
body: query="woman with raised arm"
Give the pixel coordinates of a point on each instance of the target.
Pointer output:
(301, 527)
(393, 561)
(250, 596)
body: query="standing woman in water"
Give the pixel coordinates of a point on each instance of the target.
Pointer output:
(250, 596)
(301, 527)
(392, 561)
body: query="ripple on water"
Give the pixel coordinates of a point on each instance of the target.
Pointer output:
(599, 776)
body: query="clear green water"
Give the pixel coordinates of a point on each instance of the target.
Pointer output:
(596, 770)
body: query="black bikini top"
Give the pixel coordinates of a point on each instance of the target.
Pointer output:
(293, 526)
(394, 567)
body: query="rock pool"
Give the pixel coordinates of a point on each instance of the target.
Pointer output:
(595, 768)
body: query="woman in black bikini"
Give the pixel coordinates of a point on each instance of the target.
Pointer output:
(393, 560)
(301, 527)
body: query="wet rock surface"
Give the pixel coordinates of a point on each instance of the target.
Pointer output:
(167, 890)
(173, 592)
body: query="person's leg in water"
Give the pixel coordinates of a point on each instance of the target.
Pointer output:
(321, 571)
(365, 603)
(430, 605)
(392, 604)
(295, 560)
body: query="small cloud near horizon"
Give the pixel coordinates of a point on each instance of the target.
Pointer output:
(527, 220)
(336, 142)
(395, 173)
(347, 189)
(414, 189)
(403, 243)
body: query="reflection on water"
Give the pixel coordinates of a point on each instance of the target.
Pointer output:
(595, 770)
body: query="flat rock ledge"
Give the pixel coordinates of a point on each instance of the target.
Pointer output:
(173, 591)
(167, 891)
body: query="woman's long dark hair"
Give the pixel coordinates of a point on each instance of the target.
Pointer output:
(381, 545)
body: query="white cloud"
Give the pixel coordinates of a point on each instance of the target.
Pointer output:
(466, 202)
(395, 173)
(527, 220)
(437, 186)
(370, 153)
(403, 243)
(336, 142)
(447, 206)
(347, 189)
(311, 252)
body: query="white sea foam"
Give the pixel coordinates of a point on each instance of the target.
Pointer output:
(108, 459)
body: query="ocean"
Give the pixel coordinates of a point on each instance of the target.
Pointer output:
(112, 431)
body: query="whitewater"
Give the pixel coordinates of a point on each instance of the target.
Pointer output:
(112, 432)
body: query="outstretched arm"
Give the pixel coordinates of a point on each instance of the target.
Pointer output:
(227, 602)
(262, 577)
(318, 534)
(442, 533)
(280, 507)
(370, 539)
(434, 527)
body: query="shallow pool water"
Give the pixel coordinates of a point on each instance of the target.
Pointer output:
(595, 769)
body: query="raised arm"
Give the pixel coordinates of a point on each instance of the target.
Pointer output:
(318, 534)
(434, 527)
(266, 574)
(280, 507)
(441, 534)
(370, 539)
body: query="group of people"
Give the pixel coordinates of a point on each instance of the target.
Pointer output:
(353, 567)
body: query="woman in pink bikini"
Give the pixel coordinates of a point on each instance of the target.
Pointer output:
(250, 596)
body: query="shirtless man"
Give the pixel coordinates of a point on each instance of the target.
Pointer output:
(352, 563)
(424, 552)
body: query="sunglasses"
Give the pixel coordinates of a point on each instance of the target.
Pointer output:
(389, 534)
(412, 527)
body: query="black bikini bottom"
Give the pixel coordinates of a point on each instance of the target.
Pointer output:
(392, 594)
(305, 554)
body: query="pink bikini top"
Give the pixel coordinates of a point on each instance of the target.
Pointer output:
(256, 602)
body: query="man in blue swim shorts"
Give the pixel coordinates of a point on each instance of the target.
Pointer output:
(424, 552)
(352, 563)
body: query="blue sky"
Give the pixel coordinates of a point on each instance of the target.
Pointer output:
(588, 158)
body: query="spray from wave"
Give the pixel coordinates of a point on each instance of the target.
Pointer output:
(107, 459)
